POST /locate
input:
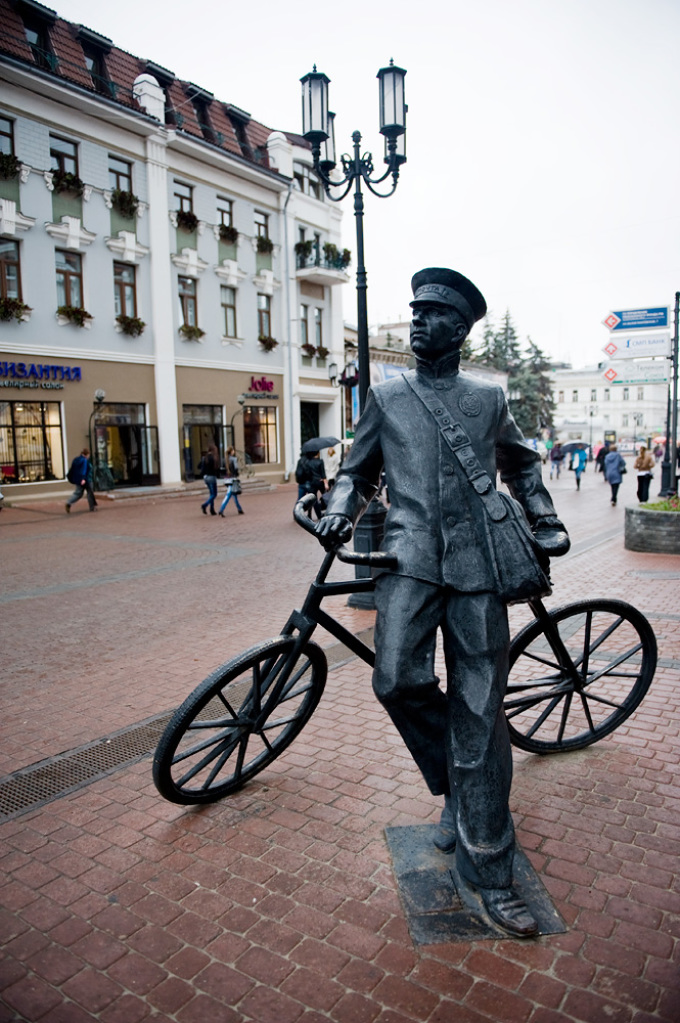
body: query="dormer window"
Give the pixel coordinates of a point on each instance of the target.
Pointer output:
(95, 49)
(37, 21)
(201, 100)
(239, 122)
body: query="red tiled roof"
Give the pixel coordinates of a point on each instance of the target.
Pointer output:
(122, 69)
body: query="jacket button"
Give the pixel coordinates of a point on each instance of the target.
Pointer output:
(458, 438)
(439, 386)
(448, 470)
(469, 461)
(451, 521)
(439, 411)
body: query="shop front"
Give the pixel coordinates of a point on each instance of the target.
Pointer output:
(231, 409)
(50, 410)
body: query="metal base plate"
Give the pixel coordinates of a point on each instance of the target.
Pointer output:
(441, 906)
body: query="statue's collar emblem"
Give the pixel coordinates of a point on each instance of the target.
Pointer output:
(469, 404)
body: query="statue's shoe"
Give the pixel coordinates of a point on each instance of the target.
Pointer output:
(445, 835)
(509, 911)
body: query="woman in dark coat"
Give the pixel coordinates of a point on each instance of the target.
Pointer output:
(614, 467)
(211, 464)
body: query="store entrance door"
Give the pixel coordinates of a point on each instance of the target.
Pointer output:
(309, 420)
(130, 451)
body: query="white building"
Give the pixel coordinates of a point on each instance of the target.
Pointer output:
(162, 251)
(588, 407)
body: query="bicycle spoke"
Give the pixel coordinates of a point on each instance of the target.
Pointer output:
(586, 711)
(202, 764)
(603, 700)
(586, 645)
(546, 713)
(541, 660)
(565, 715)
(613, 664)
(603, 637)
(205, 744)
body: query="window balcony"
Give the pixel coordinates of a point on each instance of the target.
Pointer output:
(322, 267)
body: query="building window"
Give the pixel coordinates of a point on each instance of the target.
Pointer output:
(10, 276)
(120, 174)
(225, 211)
(96, 65)
(560, 396)
(261, 224)
(626, 393)
(306, 180)
(574, 396)
(63, 155)
(260, 433)
(640, 394)
(187, 301)
(607, 394)
(318, 327)
(264, 315)
(304, 324)
(69, 279)
(38, 38)
(125, 289)
(624, 420)
(593, 394)
(228, 296)
(6, 136)
(183, 196)
(31, 446)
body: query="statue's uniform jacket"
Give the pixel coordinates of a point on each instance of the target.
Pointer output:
(435, 524)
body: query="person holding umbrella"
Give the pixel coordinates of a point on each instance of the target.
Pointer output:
(310, 473)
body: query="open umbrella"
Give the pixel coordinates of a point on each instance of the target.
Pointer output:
(574, 445)
(318, 444)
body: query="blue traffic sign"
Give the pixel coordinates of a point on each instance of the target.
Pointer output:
(638, 319)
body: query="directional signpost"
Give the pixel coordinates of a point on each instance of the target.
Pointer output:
(638, 319)
(628, 346)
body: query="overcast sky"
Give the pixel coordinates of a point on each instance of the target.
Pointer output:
(543, 138)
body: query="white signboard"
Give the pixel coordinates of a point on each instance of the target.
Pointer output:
(635, 346)
(650, 372)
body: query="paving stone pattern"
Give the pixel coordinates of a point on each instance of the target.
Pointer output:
(278, 905)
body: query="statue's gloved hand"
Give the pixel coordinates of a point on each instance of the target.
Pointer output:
(551, 536)
(333, 530)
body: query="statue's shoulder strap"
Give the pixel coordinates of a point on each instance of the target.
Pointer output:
(458, 441)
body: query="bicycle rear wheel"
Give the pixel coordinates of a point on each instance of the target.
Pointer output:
(569, 688)
(238, 721)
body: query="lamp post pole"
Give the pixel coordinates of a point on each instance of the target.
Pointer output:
(318, 129)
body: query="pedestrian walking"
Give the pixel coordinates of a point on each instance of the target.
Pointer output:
(81, 474)
(331, 462)
(556, 459)
(310, 475)
(643, 465)
(599, 460)
(233, 482)
(578, 464)
(614, 468)
(210, 464)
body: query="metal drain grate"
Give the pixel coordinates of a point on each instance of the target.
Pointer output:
(38, 784)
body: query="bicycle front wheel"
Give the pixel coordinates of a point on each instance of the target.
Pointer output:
(575, 682)
(239, 720)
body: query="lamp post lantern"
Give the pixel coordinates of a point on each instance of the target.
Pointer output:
(319, 130)
(592, 411)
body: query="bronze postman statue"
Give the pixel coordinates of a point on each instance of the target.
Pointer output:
(441, 435)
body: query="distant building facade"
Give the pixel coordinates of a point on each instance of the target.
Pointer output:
(588, 406)
(170, 275)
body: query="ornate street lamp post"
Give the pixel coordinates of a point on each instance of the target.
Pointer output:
(318, 130)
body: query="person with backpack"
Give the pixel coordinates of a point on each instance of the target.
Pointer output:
(310, 476)
(81, 475)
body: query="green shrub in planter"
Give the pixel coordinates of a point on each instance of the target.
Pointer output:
(228, 234)
(64, 181)
(131, 325)
(264, 245)
(125, 203)
(9, 166)
(268, 343)
(187, 221)
(13, 309)
(191, 333)
(75, 314)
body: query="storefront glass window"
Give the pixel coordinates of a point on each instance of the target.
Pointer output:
(31, 445)
(260, 433)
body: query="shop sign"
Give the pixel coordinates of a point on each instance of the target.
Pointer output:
(261, 388)
(36, 375)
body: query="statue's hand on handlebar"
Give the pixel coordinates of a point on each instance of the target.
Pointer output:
(551, 536)
(333, 530)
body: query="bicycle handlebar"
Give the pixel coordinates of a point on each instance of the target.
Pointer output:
(376, 559)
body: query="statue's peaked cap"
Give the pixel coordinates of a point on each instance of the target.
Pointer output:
(448, 287)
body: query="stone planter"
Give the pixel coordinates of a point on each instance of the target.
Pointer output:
(652, 532)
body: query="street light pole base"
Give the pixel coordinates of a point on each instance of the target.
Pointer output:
(368, 536)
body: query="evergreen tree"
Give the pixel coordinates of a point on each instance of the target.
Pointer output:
(533, 409)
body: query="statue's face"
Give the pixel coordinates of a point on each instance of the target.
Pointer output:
(436, 330)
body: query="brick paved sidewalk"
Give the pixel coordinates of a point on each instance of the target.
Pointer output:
(279, 903)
